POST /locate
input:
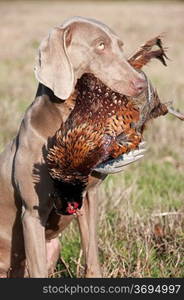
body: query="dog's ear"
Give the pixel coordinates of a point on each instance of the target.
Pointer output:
(53, 67)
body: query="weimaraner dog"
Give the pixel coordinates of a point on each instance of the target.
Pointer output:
(29, 225)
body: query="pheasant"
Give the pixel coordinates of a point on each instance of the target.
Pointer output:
(102, 125)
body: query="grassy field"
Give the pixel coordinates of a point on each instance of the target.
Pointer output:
(141, 227)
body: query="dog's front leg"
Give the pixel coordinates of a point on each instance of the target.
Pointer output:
(87, 224)
(30, 178)
(35, 245)
(92, 260)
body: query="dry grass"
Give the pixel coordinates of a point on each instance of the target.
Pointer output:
(133, 242)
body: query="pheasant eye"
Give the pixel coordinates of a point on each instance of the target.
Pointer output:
(101, 46)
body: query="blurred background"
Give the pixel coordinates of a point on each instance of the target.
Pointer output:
(141, 227)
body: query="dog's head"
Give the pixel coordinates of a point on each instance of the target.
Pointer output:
(83, 45)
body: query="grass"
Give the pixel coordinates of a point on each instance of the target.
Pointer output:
(141, 227)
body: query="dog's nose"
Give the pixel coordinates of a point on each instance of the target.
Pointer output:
(139, 85)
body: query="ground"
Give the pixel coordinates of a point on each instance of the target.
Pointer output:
(141, 228)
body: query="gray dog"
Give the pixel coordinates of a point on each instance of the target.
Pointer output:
(29, 226)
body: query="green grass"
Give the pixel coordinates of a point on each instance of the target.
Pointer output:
(135, 239)
(159, 184)
(70, 253)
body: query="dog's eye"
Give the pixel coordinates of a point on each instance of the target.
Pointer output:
(101, 46)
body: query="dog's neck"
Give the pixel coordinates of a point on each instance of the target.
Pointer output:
(44, 90)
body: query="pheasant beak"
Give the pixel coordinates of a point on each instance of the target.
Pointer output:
(72, 208)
